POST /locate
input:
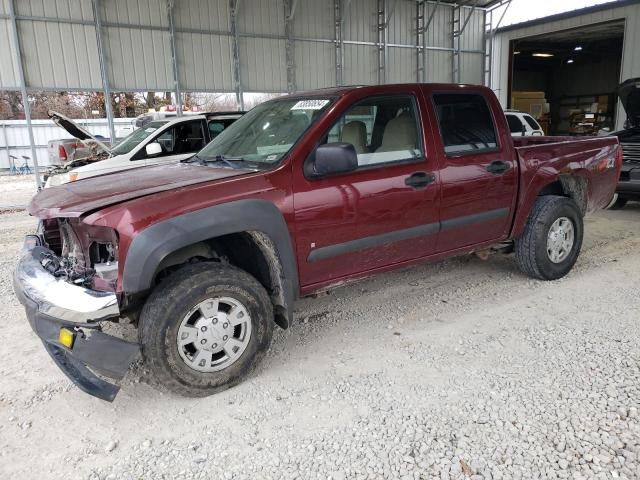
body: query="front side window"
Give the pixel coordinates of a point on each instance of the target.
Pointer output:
(182, 138)
(466, 124)
(382, 130)
(265, 134)
(136, 137)
(515, 125)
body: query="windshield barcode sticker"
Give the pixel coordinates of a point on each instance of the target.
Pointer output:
(310, 105)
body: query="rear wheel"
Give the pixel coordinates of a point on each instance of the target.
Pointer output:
(550, 244)
(204, 328)
(617, 202)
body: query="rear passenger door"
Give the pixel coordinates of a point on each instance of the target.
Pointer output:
(386, 211)
(479, 171)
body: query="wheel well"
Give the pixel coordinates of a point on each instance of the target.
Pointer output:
(251, 251)
(570, 186)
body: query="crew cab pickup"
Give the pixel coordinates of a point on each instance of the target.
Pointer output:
(304, 192)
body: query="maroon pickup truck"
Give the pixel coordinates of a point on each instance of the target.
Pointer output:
(302, 193)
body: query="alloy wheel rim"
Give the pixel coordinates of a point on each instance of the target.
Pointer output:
(214, 334)
(560, 239)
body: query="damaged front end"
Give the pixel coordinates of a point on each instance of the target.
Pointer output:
(66, 281)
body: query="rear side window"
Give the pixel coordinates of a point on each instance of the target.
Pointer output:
(515, 125)
(465, 122)
(532, 123)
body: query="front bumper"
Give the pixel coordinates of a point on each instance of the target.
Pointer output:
(52, 303)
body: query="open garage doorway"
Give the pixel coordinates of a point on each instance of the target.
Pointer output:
(568, 79)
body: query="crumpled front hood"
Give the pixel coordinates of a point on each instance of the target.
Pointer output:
(81, 197)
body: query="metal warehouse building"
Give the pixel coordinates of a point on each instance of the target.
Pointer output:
(239, 45)
(576, 59)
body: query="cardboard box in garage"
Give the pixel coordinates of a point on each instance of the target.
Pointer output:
(533, 103)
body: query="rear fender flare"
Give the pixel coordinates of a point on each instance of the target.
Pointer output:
(574, 186)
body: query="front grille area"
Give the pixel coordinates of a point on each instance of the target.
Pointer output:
(631, 152)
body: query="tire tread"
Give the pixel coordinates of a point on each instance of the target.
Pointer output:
(177, 286)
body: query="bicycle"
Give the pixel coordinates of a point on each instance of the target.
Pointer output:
(12, 165)
(25, 169)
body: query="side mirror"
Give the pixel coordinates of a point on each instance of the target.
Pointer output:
(333, 158)
(153, 149)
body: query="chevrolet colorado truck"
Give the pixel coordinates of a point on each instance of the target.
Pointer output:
(304, 192)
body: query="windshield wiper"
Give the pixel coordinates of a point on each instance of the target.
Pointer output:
(217, 159)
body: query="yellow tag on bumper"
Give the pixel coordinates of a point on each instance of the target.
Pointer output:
(66, 337)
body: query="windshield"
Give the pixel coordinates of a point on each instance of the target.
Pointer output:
(265, 134)
(136, 137)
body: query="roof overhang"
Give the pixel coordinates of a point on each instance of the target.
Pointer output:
(610, 5)
(474, 3)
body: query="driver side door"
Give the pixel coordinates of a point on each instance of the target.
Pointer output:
(383, 213)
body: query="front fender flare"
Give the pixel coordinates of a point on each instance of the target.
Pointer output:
(153, 244)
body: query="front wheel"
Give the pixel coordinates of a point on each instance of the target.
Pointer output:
(550, 244)
(204, 328)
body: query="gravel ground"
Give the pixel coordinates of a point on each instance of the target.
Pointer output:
(454, 370)
(16, 191)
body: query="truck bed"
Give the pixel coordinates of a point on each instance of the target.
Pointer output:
(592, 158)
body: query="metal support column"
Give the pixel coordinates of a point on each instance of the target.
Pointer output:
(104, 73)
(338, 24)
(289, 12)
(489, 32)
(233, 13)
(23, 88)
(458, 29)
(420, 69)
(174, 57)
(6, 145)
(381, 28)
(425, 37)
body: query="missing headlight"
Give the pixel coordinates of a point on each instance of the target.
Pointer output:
(102, 252)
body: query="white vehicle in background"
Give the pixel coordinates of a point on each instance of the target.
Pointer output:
(522, 124)
(74, 152)
(159, 141)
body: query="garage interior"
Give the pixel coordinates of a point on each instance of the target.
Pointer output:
(568, 79)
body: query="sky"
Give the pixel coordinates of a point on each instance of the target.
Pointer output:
(524, 10)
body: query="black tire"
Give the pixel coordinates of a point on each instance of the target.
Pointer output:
(531, 247)
(173, 298)
(617, 202)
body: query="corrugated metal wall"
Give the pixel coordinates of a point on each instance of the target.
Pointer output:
(14, 137)
(499, 81)
(59, 44)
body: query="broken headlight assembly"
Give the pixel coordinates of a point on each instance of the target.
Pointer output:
(83, 254)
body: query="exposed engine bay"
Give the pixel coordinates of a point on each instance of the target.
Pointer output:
(95, 154)
(82, 254)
